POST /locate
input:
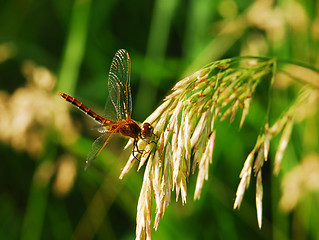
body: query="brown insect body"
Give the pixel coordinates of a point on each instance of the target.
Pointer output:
(129, 128)
(120, 96)
(85, 109)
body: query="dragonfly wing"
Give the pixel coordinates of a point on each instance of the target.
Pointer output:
(97, 147)
(100, 129)
(109, 110)
(103, 128)
(119, 84)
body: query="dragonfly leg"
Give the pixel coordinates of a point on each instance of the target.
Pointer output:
(136, 147)
(153, 141)
(136, 158)
(136, 150)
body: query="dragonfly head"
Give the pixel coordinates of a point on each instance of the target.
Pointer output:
(147, 130)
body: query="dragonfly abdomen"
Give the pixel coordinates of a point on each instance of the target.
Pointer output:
(84, 108)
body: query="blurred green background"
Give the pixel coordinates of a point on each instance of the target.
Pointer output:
(68, 46)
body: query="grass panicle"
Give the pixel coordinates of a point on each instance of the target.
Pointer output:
(308, 97)
(185, 134)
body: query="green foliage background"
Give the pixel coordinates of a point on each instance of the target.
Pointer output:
(167, 40)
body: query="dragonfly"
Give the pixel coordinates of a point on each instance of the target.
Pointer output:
(118, 110)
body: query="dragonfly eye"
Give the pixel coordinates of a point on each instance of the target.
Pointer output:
(147, 130)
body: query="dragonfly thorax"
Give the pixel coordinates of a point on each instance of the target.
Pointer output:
(130, 129)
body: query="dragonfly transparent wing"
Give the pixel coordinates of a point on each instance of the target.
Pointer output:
(119, 84)
(100, 128)
(109, 110)
(97, 147)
